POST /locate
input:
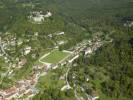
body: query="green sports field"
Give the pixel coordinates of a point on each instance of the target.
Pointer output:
(55, 57)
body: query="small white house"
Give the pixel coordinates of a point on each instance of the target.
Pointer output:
(50, 35)
(61, 42)
(61, 33)
(19, 42)
(36, 34)
(38, 18)
(49, 14)
(27, 50)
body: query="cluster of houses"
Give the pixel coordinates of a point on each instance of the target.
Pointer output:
(60, 42)
(21, 88)
(24, 88)
(8, 44)
(56, 34)
(38, 17)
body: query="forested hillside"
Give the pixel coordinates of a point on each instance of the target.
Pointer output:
(85, 12)
(109, 70)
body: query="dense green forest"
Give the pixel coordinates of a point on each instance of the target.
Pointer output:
(109, 69)
(86, 12)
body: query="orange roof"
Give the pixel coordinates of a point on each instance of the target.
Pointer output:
(32, 82)
(3, 98)
(10, 90)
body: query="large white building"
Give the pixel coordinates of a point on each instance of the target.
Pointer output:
(38, 17)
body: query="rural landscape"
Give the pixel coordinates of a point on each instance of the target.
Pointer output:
(66, 49)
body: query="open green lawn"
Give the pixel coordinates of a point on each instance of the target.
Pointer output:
(55, 56)
(51, 80)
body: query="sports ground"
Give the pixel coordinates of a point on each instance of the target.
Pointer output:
(55, 57)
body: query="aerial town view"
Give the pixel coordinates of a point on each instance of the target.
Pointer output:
(66, 49)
